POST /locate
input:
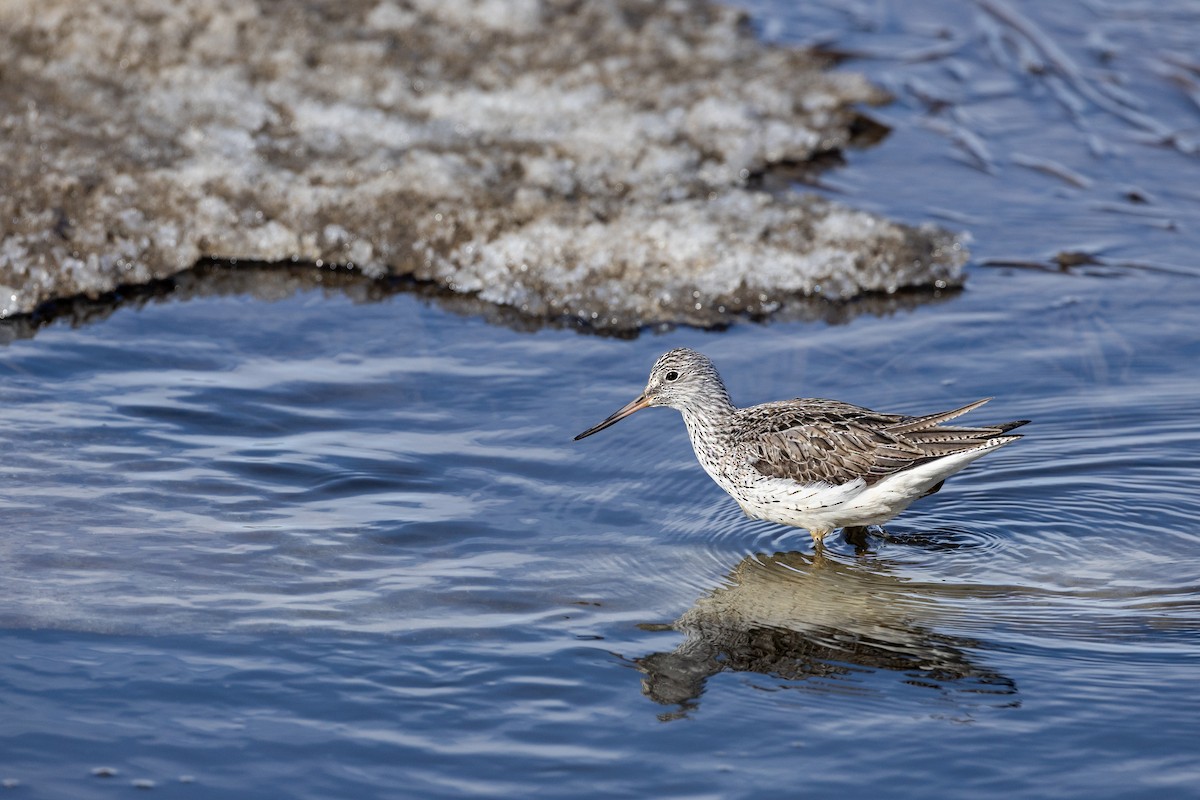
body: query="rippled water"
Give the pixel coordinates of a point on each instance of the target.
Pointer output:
(322, 548)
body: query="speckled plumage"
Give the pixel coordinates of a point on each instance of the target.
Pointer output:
(812, 463)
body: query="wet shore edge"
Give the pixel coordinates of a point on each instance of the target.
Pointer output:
(272, 281)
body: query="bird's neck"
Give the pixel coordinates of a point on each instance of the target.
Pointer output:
(707, 420)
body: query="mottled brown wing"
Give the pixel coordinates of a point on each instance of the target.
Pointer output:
(824, 441)
(827, 441)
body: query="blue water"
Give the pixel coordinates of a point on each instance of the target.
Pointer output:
(320, 548)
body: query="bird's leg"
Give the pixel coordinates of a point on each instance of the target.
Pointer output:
(818, 536)
(857, 535)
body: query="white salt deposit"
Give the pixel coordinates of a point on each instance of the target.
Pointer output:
(590, 161)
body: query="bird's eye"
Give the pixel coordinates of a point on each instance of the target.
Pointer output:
(672, 375)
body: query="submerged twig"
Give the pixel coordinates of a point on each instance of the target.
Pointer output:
(968, 141)
(1053, 168)
(1066, 261)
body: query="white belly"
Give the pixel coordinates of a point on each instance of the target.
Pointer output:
(824, 507)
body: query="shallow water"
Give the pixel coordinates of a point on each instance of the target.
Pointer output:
(324, 548)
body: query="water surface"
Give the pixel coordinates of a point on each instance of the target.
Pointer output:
(318, 547)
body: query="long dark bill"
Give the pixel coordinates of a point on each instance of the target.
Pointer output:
(638, 404)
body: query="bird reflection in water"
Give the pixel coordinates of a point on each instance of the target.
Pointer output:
(811, 618)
